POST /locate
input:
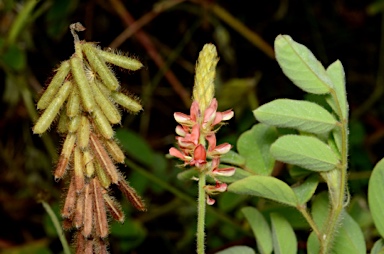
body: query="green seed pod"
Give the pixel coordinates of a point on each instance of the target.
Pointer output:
(100, 67)
(126, 102)
(109, 110)
(78, 170)
(74, 124)
(52, 110)
(88, 163)
(62, 126)
(104, 179)
(83, 86)
(114, 150)
(102, 123)
(56, 82)
(83, 133)
(120, 60)
(73, 103)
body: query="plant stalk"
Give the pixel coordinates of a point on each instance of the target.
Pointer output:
(201, 204)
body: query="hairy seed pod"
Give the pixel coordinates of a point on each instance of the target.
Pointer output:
(80, 242)
(103, 177)
(70, 200)
(102, 123)
(120, 60)
(88, 163)
(100, 67)
(73, 103)
(53, 109)
(88, 209)
(88, 248)
(114, 150)
(74, 124)
(131, 195)
(62, 126)
(101, 222)
(56, 82)
(126, 102)
(109, 110)
(66, 152)
(101, 246)
(103, 158)
(78, 218)
(114, 208)
(78, 169)
(83, 133)
(83, 86)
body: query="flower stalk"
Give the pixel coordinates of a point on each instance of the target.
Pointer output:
(197, 137)
(85, 92)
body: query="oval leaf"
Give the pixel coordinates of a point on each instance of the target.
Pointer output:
(376, 197)
(304, 151)
(336, 73)
(260, 229)
(266, 187)
(378, 247)
(301, 66)
(284, 238)
(302, 115)
(305, 191)
(232, 158)
(237, 250)
(254, 146)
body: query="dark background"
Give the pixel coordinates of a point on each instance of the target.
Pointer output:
(350, 31)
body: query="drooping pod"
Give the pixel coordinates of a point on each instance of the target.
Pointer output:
(55, 84)
(103, 177)
(119, 60)
(88, 209)
(74, 124)
(114, 208)
(131, 195)
(101, 223)
(78, 169)
(73, 103)
(82, 83)
(102, 124)
(109, 110)
(88, 163)
(100, 67)
(114, 150)
(103, 158)
(83, 133)
(126, 102)
(53, 109)
(66, 152)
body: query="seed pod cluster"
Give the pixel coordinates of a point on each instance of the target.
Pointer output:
(85, 93)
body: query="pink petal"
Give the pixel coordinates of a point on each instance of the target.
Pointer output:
(228, 114)
(200, 154)
(210, 201)
(195, 134)
(224, 171)
(182, 118)
(210, 112)
(211, 141)
(176, 153)
(215, 163)
(221, 187)
(220, 149)
(195, 111)
(180, 131)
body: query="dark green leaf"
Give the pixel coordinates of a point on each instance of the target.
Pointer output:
(284, 238)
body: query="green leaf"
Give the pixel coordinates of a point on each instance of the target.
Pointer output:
(237, 250)
(336, 73)
(378, 247)
(302, 115)
(14, 58)
(232, 158)
(284, 238)
(254, 146)
(266, 187)
(305, 191)
(135, 146)
(301, 66)
(260, 229)
(376, 197)
(304, 151)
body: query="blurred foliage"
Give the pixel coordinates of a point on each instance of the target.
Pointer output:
(34, 38)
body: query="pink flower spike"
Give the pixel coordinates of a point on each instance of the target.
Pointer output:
(210, 201)
(224, 171)
(176, 153)
(221, 149)
(182, 118)
(180, 131)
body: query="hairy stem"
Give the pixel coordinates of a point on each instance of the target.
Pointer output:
(337, 193)
(304, 211)
(201, 203)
